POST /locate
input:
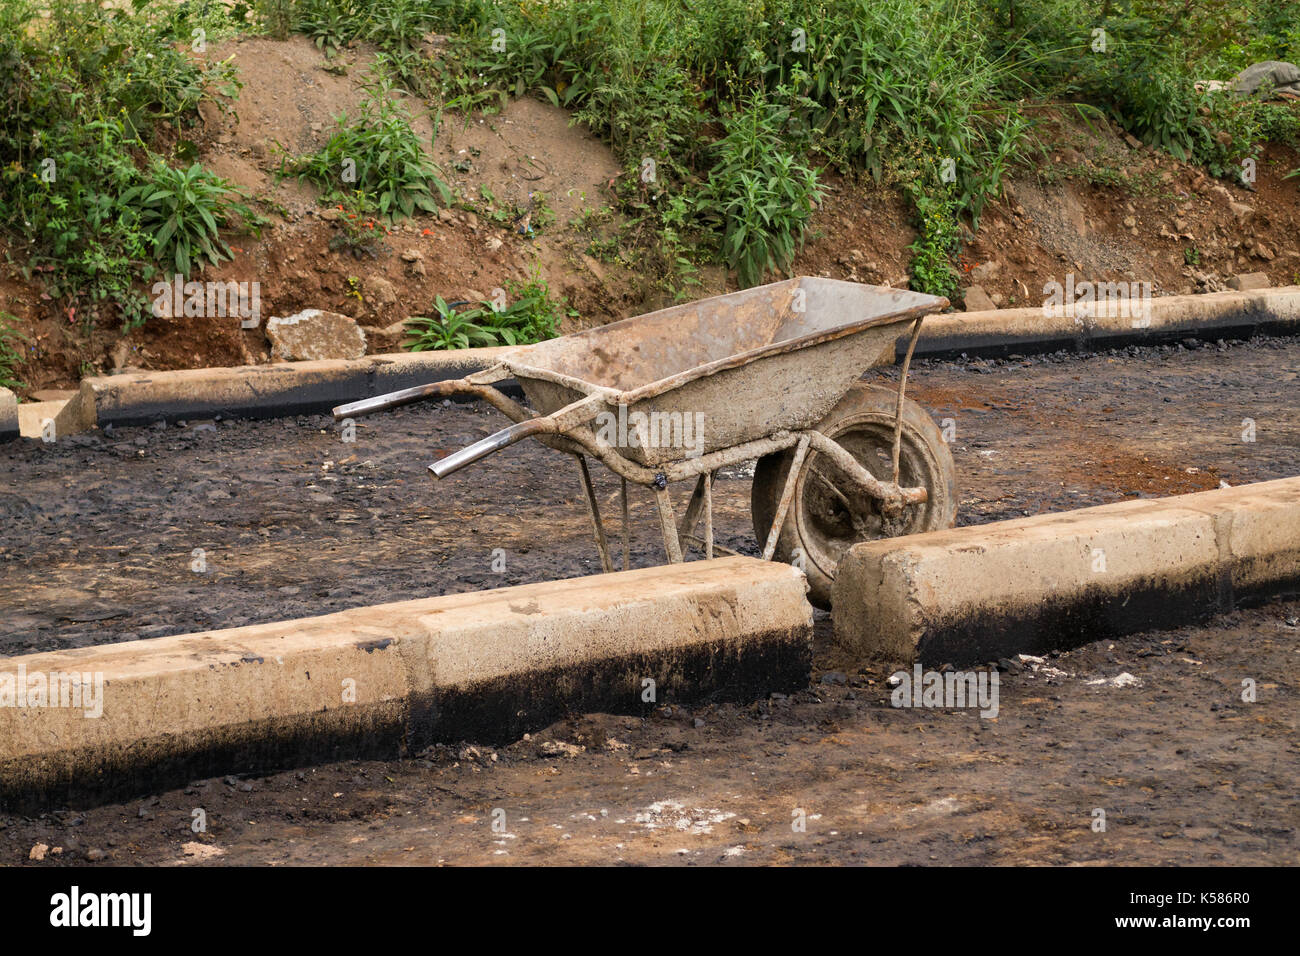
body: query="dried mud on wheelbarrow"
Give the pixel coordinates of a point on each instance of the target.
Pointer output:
(771, 373)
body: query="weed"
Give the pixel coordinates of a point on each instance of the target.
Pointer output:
(11, 355)
(531, 316)
(377, 154)
(183, 209)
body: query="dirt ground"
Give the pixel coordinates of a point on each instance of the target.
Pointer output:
(98, 539)
(99, 532)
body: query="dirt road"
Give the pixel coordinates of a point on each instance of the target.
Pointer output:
(144, 532)
(97, 543)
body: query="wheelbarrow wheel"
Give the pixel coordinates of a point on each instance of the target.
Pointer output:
(826, 514)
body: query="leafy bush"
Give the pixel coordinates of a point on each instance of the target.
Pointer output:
(531, 317)
(10, 351)
(761, 193)
(183, 209)
(376, 153)
(936, 245)
(90, 97)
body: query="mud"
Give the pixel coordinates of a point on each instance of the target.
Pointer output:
(101, 534)
(1185, 771)
(97, 543)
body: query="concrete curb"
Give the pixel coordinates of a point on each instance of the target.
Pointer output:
(484, 666)
(980, 593)
(308, 388)
(263, 391)
(1002, 332)
(8, 416)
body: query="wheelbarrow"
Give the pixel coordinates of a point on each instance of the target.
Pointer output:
(768, 374)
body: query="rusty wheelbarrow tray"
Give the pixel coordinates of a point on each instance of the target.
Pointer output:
(682, 392)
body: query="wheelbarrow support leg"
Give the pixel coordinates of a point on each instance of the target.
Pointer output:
(902, 386)
(593, 509)
(787, 493)
(708, 515)
(668, 524)
(627, 528)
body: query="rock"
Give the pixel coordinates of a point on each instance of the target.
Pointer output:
(1269, 76)
(985, 271)
(412, 255)
(558, 748)
(378, 291)
(38, 852)
(1133, 141)
(211, 115)
(1241, 210)
(94, 854)
(1249, 282)
(314, 334)
(444, 215)
(330, 215)
(1129, 222)
(976, 299)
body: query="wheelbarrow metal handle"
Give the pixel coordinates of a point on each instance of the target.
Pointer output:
(558, 422)
(477, 384)
(486, 446)
(407, 396)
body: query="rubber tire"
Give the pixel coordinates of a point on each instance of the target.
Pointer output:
(863, 422)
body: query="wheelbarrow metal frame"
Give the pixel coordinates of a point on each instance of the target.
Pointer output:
(565, 430)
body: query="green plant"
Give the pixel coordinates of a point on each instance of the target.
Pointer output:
(183, 210)
(11, 355)
(360, 231)
(276, 17)
(329, 23)
(92, 98)
(531, 316)
(760, 191)
(937, 244)
(376, 153)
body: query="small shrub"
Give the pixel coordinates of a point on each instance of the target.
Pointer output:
(376, 153)
(184, 209)
(532, 316)
(938, 243)
(11, 355)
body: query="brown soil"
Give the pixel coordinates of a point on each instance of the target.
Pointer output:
(1066, 212)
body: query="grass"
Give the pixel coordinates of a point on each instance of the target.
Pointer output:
(726, 117)
(95, 111)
